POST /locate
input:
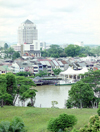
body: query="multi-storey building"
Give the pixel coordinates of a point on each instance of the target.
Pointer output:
(27, 32)
(28, 39)
(43, 45)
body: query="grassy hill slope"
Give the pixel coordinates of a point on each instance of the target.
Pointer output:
(36, 119)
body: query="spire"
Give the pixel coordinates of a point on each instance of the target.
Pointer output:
(28, 22)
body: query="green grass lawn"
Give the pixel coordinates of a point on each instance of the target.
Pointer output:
(36, 119)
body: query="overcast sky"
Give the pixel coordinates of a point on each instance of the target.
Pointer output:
(57, 21)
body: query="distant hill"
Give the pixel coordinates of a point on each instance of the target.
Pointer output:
(11, 43)
(92, 45)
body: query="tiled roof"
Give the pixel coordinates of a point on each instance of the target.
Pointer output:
(64, 62)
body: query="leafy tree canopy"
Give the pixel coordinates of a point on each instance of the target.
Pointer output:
(56, 71)
(15, 55)
(72, 50)
(54, 51)
(61, 122)
(5, 46)
(81, 94)
(42, 73)
(23, 73)
(11, 83)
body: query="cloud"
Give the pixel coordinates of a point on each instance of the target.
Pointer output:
(58, 21)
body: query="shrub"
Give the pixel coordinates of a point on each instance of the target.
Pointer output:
(16, 125)
(61, 122)
(93, 125)
(69, 104)
(4, 126)
(98, 110)
(29, 104)
(74, 130)
(54, 103)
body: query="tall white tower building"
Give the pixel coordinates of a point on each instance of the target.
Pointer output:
(27, 32)
(28, 39)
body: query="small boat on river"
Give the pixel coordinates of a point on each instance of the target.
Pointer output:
(66, 82)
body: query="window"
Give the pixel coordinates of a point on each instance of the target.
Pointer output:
(35, 67)
(35, 71)
(31, 47)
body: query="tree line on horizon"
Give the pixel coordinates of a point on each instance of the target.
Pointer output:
(9, 52)
(70, 51)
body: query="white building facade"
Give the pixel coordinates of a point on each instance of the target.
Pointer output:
(27, 32)
(43, 45)
(28, 39)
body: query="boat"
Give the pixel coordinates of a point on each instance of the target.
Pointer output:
(66, 82)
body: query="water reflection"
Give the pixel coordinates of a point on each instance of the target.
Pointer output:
(48, 93)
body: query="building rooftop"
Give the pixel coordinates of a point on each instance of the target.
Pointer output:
(28, 22)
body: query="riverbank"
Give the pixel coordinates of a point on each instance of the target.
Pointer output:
(36, 119)
(46, 80)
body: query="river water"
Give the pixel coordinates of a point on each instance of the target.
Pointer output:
(48, 93)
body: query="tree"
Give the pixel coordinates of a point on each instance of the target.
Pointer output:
(98, 110)
(72, 50)
(11, 85)
(44, 53)
(57, 71)
(54, 103)
(69, 103)
(54, 50)
(10, 50)
(5, 97)
(2, 88)
(96, 50)
(63, 54)
(93, 79)
(62, 122)
(31, 93)
(23, 84)
(81, 94)
(82, 55)
(85, 50)
(15, 55)
(23, 73)
(41, 73)
(5, 46)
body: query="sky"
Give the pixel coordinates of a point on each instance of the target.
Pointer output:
(57, 21)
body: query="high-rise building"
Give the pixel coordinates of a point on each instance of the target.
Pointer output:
(27, 32)
(28, 39)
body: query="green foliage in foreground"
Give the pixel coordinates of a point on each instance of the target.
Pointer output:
(92, 126)
(16, 125)
(98, 110)
(61, 122)
(36, 119)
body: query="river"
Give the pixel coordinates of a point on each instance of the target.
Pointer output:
(48, 93)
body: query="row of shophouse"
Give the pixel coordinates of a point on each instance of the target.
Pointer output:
(35, 65)
(31, 65)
